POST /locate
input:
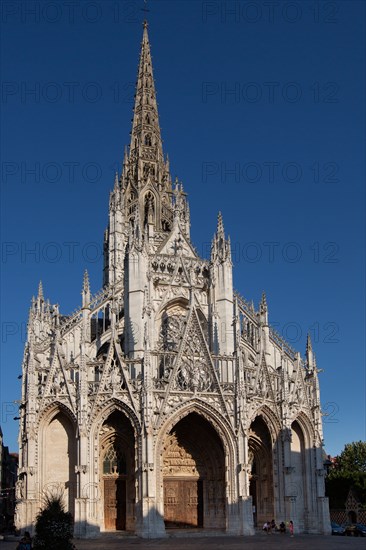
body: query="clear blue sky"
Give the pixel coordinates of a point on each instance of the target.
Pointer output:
(262, 114)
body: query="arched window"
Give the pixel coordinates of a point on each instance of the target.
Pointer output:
(147, 120)
(148, 140)
(114, 462)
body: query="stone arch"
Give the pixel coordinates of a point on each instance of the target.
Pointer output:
(307, 428)
(105, 410)
(261, 444)
(50, 410)
(211, 414)
(177, 301)
(58, 454)
(116, 451)
(301, 463)
(117, 472)
(186, 440)
(271, 420)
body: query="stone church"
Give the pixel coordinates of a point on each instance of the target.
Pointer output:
(166, 401)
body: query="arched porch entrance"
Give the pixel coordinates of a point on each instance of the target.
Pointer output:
(59, 459)
(298, 485)
(261, 479)
(193, 475)
(117, 456)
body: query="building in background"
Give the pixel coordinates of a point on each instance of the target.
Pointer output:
(8, 478)
(166, 400)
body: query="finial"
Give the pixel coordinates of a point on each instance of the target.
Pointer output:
(220, 224)
(116, 180)
(86, 284)
(309, 346)
(263, 301)
(310, 357)
(86, 289)
(40, 291)
(228, 247)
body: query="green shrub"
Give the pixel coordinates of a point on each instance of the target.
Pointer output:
(54, 526)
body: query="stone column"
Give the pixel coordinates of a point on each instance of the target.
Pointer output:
(152, 523)
(244, 498)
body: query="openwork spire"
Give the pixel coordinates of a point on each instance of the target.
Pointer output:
(145, 136)
(146, 180)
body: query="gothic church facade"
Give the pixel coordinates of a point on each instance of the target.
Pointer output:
(166, 400)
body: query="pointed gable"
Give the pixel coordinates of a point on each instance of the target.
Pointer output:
(177, 244)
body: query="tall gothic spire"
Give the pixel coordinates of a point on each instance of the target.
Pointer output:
(146, 180)
(146, 141)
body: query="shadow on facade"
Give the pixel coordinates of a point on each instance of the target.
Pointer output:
(286, 479)
(293, 495)
(198, 486)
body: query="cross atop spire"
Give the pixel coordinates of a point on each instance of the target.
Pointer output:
(146, 9)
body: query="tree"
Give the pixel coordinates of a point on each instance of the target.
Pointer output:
(353, 458)
(348, 473)
(54, 526)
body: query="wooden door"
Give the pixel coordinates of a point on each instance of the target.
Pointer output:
(115, 503)
(183, 503)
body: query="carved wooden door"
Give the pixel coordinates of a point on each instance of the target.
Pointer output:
(115, 503)
(183, 503)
